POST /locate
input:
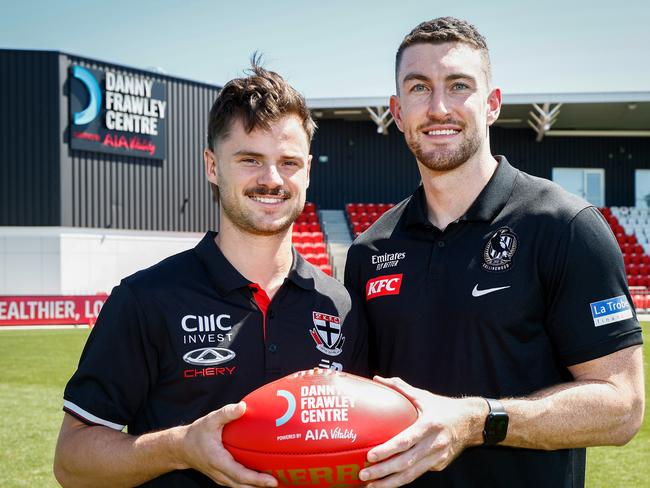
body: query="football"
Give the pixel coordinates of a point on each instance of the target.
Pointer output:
(316, 427)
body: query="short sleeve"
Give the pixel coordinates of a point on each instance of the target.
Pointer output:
(590, 308)
(117, 366)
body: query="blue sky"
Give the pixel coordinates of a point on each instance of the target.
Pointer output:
(341, 48)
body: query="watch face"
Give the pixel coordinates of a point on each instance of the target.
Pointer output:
(500, 426)
(496, 428)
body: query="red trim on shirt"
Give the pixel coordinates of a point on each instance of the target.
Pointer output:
(262, 300)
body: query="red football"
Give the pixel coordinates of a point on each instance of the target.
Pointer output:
(315, 427)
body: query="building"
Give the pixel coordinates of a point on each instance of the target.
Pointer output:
(101, 169)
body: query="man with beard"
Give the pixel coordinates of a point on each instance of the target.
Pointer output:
(178, 345)
(506, 315)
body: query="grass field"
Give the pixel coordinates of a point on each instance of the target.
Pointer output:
(35, 365)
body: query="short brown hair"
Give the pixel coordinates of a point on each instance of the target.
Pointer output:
(257, 100)
(439, 31)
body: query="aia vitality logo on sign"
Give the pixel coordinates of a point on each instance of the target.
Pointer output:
(117, 113)
(383, 285)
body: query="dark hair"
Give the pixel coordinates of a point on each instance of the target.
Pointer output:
(257, 100)
(441, 30)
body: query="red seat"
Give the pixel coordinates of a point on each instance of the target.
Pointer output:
(320, 247)
(317, 237)
(310, 207)
(326, 268)
(314, 227)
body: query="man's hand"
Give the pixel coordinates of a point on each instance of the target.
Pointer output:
(204, 451)
(445, 427)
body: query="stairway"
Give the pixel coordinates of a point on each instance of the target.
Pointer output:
(337, 232)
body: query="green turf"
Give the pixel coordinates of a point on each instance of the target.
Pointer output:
(34, 367)
(629, 465)
(35, 364)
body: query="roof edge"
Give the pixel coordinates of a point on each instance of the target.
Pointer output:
(121, 65)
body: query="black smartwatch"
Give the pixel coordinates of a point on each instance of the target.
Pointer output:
(496, 423)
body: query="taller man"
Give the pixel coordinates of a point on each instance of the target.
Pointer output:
(176, 346)
(506, 306)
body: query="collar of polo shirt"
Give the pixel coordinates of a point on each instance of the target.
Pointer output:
(226, 278)
(486, 206)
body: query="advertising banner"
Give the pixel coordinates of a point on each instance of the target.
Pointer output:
(50, 310)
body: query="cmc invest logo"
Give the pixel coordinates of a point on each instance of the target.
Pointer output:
(92, 110)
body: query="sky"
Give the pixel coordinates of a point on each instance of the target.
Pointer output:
(336, 48)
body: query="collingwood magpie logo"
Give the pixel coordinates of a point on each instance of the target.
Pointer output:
(387, 260)
(499, 250)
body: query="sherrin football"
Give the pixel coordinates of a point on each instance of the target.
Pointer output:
(316, 427)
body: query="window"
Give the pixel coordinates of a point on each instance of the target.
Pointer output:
(588, 183)
(642, 188)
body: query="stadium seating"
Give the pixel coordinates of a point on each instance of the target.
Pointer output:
(309, 240)
(631, 226)
(362, 215)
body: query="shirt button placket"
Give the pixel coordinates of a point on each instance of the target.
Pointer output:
(272, 348)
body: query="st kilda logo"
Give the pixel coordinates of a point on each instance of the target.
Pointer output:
(383, 285)
(327, 333)
(499, 250)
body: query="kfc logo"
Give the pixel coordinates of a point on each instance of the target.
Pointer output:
(383, 285)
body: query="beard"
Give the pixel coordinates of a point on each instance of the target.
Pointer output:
(247, 221)
(445, 158)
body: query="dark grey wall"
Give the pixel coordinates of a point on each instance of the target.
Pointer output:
(618, 156)
(137, 193)
(362, 165)
(29, 149)
(366, 167)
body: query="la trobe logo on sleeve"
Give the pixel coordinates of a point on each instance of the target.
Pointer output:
(611, 310)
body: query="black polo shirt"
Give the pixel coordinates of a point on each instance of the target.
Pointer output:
(186, 336)
(528, 282)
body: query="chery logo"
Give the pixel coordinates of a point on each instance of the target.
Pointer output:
(209, 355)
(383, 285)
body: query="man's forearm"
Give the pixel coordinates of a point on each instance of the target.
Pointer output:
(585, 412)
(98, 456)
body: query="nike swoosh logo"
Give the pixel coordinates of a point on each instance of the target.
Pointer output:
(479, 293)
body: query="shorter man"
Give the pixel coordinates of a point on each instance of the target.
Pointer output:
(177, 345)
